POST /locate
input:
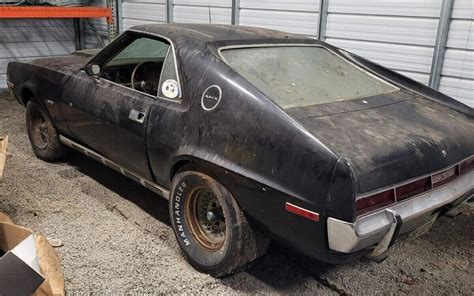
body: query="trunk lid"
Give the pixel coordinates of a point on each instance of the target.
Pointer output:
(390, 138)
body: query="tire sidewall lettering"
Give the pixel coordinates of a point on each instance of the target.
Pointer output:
(178, 214)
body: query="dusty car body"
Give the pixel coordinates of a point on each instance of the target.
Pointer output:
(334, 180)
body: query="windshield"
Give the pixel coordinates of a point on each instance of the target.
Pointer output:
(141, 50)
(294, 76)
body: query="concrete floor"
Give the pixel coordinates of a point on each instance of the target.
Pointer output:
(117, 237)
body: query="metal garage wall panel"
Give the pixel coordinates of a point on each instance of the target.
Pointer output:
(457, 75)
(461, 34)
(290, 21)
(206, 3)
(284, 5)
(299, 16)
(19, 50)
(461, 89)
(140, 12)
(24, 40)
(417, 8)
(155, 12)
(397, 34)
(395, 56)
(463, 9)
(9, 34)
(202, 14)
(3, 79)
(128, 23)
(459, 63)
(383, 29)
(90, 39)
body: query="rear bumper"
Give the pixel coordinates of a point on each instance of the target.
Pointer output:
(366, 231)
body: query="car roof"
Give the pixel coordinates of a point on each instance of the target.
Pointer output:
(221, 34)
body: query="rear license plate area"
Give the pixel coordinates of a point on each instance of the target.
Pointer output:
(423, 229)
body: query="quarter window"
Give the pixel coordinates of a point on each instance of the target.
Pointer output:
(169, 82)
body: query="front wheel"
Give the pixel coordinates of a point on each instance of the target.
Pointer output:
(211, 230)
(44, 137)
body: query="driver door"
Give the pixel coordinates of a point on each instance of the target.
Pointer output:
(104, 112)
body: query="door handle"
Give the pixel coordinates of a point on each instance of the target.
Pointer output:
(136, 116)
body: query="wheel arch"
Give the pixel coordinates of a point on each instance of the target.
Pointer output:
(26, 94)
(189, 162)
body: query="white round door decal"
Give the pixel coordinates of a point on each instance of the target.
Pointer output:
(170, 88)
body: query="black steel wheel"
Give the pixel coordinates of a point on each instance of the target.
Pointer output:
(43, 136)
(211, 230)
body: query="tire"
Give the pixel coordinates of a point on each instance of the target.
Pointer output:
(44, 137)
(211, 230)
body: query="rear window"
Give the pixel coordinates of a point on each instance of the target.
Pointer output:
(294, 76)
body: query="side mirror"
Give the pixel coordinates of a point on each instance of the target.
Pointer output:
(92, 70)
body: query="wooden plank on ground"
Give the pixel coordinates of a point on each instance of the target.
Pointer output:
(3, 153)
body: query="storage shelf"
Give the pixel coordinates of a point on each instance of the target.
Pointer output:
(43, 12)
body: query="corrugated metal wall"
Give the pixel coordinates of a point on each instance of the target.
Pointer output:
(397, 34)
(457, 76)
(198, 11)
(139, 12)
(25, 40)
(299, 16)
(100, 24)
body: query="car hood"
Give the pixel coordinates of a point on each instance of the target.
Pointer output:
(63, 64)
(390, 138)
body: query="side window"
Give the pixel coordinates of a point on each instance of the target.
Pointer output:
(169, 82)
(142, 62)
(141, 50)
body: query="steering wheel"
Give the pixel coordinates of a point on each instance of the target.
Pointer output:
(148, 86)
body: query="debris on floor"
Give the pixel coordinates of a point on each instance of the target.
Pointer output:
(3, 153)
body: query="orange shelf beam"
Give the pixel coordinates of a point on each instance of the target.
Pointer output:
(42, 12)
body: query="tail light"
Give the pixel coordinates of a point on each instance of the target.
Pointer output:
(379, 200)
(466, 166)
(375, 201)
(413, 188)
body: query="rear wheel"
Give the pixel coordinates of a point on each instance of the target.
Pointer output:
(43, 136)
(211, 230)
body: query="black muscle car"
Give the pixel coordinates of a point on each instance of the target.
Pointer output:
(256, 135)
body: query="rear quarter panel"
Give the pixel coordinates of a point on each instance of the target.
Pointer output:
(254, 148)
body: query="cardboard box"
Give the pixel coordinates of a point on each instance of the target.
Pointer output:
(28, 263)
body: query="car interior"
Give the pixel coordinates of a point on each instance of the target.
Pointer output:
(137, 65)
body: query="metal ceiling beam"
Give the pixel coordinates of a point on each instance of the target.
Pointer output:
(322, 19)
(169, 11)
(440, 44)
(235, 12)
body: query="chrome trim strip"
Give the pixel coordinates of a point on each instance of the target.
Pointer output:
(113, 165)
(366, 231)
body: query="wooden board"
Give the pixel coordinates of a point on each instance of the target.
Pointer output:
(3, 153)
